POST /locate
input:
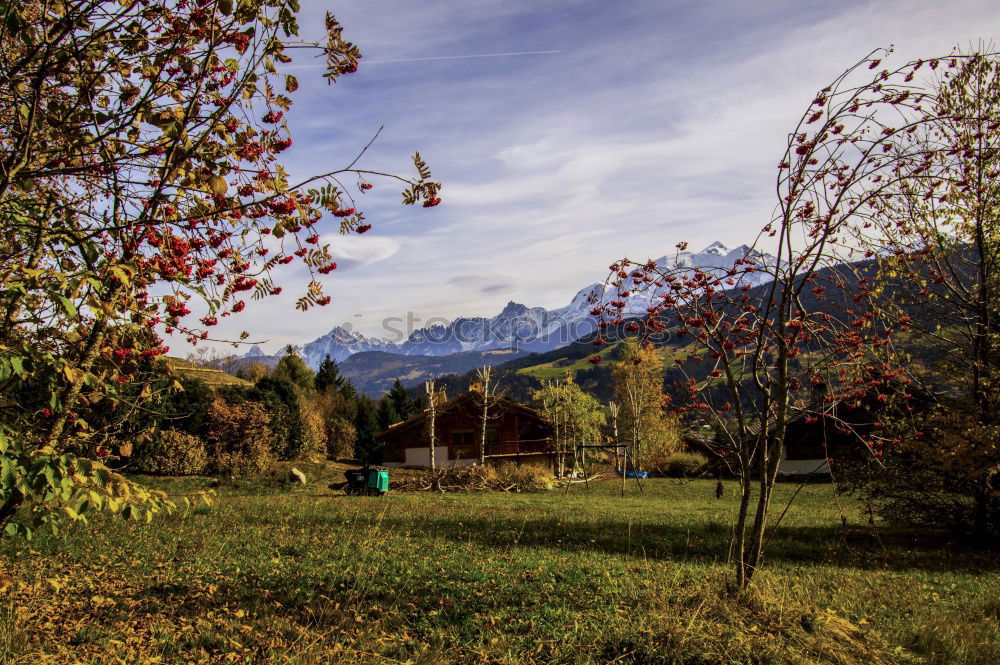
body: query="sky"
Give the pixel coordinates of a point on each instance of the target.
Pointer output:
(567, 134)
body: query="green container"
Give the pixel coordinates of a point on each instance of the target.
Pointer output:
(378, 479)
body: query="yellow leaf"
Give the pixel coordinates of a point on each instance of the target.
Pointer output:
(218, 185)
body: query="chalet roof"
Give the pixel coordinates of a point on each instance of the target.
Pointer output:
(455, 403)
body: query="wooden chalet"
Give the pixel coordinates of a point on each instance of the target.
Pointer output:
(514, 433)
(823, 431)
(839, 429)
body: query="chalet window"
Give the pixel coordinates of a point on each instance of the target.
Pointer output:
(463, 444)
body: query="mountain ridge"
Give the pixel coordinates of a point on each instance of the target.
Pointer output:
(517, 327)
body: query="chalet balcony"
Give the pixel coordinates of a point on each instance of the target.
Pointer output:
(519, 447)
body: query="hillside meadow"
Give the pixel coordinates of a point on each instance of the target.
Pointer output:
(307, 575)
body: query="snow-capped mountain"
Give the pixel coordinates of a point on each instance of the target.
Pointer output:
(516, 327)
(715, 258)
(519, 327)
(716, 255)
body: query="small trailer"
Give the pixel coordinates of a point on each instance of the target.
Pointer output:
(367, 481)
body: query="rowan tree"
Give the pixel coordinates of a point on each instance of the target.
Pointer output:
(140, 171)
(752, 352)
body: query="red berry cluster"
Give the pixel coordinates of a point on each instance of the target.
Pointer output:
(244, 283)
(177, 308)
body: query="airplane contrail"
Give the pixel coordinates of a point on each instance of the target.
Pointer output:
(461, 57)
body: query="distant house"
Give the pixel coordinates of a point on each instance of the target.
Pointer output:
(809, 444)
(514, 433)
(812, 439)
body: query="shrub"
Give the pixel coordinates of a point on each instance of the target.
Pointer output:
(660, 441)
(337, 413)
(239, 438)
(282, 401)
(313, 433)
(340, 436)
(526, 478)
(947, 478)
(505, 477)
(172, 453)
(683, 465)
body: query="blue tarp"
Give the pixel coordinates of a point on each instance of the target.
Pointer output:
(636, 474)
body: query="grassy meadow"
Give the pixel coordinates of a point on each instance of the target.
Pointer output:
(306, 575)
(553, 370)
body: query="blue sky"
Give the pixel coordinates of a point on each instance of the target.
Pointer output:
(652, 123)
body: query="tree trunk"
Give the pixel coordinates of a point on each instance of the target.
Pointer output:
(433, 453)
(741, 525)
(484, 376)
(981, 516)
(429, 387)
(71, 392)
(14, 307)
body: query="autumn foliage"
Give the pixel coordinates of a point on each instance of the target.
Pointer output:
(141, 186)
(239, 440)
(173, 453)
(758, 354)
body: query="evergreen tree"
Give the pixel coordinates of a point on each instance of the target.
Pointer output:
(328, 377)
(387, 414)
(349, 392)
(366, 426)
(400, 398)
(186, 409)
(292, 368)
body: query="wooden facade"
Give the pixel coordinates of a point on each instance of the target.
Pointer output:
(514, 433)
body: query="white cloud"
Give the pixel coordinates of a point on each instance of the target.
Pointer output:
(353, 252)
(658, 122)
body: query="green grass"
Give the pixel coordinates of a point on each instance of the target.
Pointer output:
(550, 370)
(312, 576)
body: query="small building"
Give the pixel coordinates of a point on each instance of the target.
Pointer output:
(514, 433)
(816, 434)
(809, 446)
(839, 430)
